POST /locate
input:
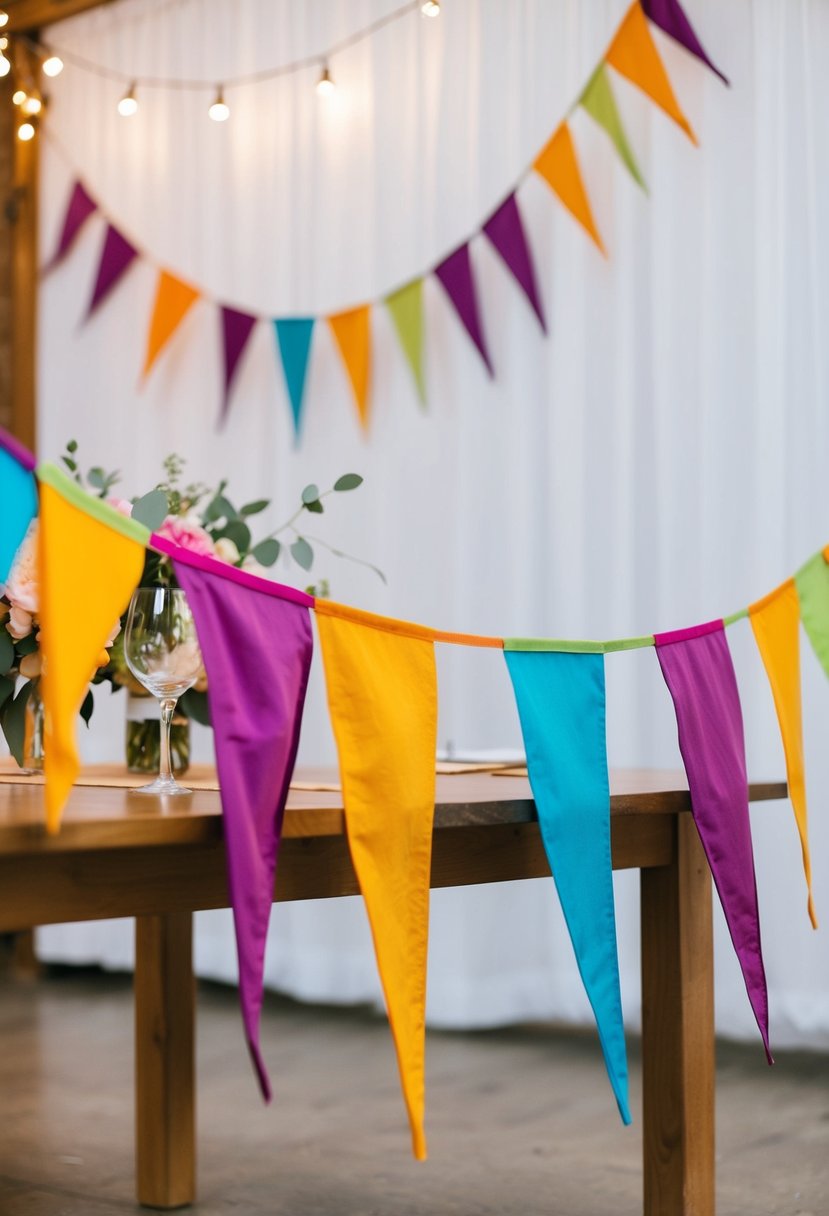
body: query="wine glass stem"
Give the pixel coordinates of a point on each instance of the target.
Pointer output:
(168, 708)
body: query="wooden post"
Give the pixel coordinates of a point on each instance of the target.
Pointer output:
(165, 1124)
(678, 1032)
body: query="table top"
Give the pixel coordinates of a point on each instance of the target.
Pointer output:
(114, 817)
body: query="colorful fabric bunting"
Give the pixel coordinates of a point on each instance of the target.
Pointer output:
(236, 330)
(293, 337)
(173, 300)
(19, 502)
(812, 582)
(505, 229)
(558, 164)
(256, 693)
(406, 310)
(599, 102)
(561, 704)
(117, 255)
(80, 603)
(697, 667)
(80, 207)
(672, 20)
(776, 624)
(382, 696)
(352, 333)
(455, 276)
(634, 55)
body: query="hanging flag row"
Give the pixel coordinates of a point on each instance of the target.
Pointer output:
(632, 54)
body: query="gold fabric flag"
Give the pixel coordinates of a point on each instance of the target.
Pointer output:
(173, 300)
(634, 55)
(382, 696)
(776, 624)
(90, 560)
(558, 164)
(352, 333)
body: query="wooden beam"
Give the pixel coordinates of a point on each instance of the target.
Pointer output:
(35, 14)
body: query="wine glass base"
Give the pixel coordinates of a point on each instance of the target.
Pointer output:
(162, 785)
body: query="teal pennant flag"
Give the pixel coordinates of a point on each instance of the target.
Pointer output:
(294, 338)
(561, 704)
(18, 499)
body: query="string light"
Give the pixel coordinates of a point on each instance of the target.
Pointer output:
(4, 18)
(325, 84)
(220, 110)
(19, 96)
(431, 8)
(5, 65)
(53, 66)
(26, 131)
(128, 105)
(32, 105)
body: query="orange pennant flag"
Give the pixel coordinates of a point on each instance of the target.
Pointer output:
(173, 300)
(634, 55)
(382, 695)
(352, 334)
(559, 166)
(776, 624)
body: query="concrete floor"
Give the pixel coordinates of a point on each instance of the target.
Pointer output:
(519, 1121)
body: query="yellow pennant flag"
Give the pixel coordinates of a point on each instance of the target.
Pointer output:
(173, 300)
(382, 695)
(90, 561)
(776, 624)
(559, 166)
(352, 334)
(634, 55)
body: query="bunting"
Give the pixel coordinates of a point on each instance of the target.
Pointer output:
(598, 101)
(505, 231)
(812, 583)
(558, 164)
(633, 54)
(455, 276)
(173, 301)
(19, 502)
(406, 311)
(236, 330)
(78, 211)
(293, 337)
(352, 333)
(672, 20)
(117, 255)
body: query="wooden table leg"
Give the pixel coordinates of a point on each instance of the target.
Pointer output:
(165, 1126)
(678, 1032)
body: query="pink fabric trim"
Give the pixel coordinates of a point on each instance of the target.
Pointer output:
(684, 635)
(16, 449)
(211, 566)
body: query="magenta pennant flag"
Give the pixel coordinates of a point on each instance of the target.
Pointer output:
(455, 274)
(81, 206)
(697, 667)
(505, 230)
(670, 17)
(116, 256)
(256, 642)
(236, 330)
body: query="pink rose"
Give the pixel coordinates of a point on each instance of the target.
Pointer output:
(187, 532)
(121, 506)
(20, 623)
(22, 586)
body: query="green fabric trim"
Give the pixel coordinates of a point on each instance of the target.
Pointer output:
(564, 646)
(735, 616)
(96, 507)
(630, 643)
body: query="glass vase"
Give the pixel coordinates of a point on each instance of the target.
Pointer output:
(33, 732)
(143, 737)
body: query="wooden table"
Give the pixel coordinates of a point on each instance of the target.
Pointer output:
(122, 854)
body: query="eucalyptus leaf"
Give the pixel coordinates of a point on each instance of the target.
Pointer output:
(266, 552)
(302, 553)
(14, 722)
(253, 508)
(87, 706)
(238, 532)
(316, 507)
(220, 508)
(72, 445)
(348, 481)
(152, 509)
(310, 494)
(6, 689)
(70, 464)
(194, 705)
(96, 477)
(6, 651)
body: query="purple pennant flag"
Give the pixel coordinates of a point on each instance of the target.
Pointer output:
(670, 16)
(455, 274)
(697, 667)
(505, 230)
(256, 642)
(116, 256)
(81, 206)
(236, 330)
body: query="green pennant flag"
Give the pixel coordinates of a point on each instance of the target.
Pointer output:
(599, 102)
(812, 583)
(406, 308)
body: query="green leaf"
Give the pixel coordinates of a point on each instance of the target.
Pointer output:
(194, 705)
(152, 509)
(219, 507)
(72, 445)
(302, 553)
(266, 552)
(27, 645)
(239, 533)
(348, 481)
(6, 689)
(253, 508)
(14, 722)
(316, 508)
(87, 706)
(70, 464)
(310, 494)
(6, 650)
(96, 477)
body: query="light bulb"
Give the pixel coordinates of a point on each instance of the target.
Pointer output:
(4, 18)
(5, 65)
(430, 8)
(325, 85)
(219, 111)
(4, 42)
(128, 105)
(26, 131)
(53, 66)
(19, 96)
(32, 105)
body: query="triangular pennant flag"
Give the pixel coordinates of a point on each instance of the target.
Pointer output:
(78, 211)
(812, 582)
(117, 255)
(561, 704)
(19, 499)
(455, 275)
(634, 55)
(173, 300)
(256, 694)
(697, 667)
(382, 695)
(352, 333)
(776, 624)
(80, 602)
(670, 16)
(599, 102)
(293, 336)
(505, 229)
(558, 164)
(236, 330)
(406, 309)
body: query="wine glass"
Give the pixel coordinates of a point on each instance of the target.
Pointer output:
(162, 652)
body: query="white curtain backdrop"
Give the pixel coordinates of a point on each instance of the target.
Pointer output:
(658, 461)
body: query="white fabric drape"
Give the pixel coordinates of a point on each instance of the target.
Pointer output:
(658, 461)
